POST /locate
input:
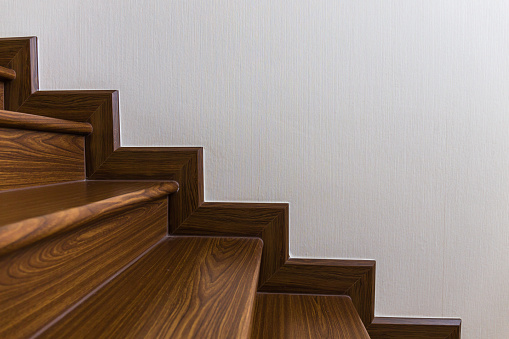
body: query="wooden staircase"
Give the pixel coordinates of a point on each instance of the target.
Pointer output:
(102, 241)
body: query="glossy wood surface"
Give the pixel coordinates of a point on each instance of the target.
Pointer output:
(186, 287)
(30, 158)
(2, 95)
(25, 121)
(355, 278)
(103, 154)
(267, 221)
(182, 164)
(19, 54)
(30, 215)
(99, 108)
(7, 73)
(41, 281)
(106, 160)
(414, 328)
(294, 316)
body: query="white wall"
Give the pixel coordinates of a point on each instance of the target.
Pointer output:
(383, 123)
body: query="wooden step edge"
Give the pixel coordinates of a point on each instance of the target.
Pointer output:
(400, 328)
(7, 73)
(351, 277)
(32, 122)
(283, 315)
(184, 287)
(23, 233)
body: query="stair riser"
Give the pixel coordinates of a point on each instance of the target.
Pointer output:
(39, 282)
(31, 158)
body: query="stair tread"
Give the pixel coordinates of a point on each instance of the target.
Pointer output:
(186, 287)
(26, 121)
(299, 316)
(7, 73)
(27, 215)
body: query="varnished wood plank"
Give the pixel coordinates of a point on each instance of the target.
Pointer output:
(30, 215)
(41, 281)
(19, 54)
(32, 122)
(186, 287)
(281, 316)
(267, 221)
(355, 278)
(30, 158)
(7, 73)
(414, 328)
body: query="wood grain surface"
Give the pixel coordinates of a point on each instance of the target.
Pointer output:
(19, 54)
(7, 73)
(41, 281)
(267, 221)
(414, 328)
(186, 287)
(99, 108)
(355, 278)
(32, 122)
(30, 215)
(182, 164)
(2, 106)
(294, 316)
(30, 158)
(106, 160)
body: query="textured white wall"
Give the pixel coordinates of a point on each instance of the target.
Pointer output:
(384, 123)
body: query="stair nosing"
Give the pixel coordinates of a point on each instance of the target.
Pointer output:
(25, 121)
(7, 73)
(17, 235)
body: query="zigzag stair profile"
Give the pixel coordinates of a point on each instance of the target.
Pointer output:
(103, 241)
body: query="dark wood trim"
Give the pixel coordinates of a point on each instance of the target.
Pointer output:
(7, 73)
(106, 160)
(32, 122)
(182, 164)
(267, 221)
(20, 55)
(279, 273)
(98, 108)
(416, 328)
(355, 278)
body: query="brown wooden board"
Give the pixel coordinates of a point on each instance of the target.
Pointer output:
(30, 158)
(186, 287)
(298, 316)
(267, 221)
(41, 281)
